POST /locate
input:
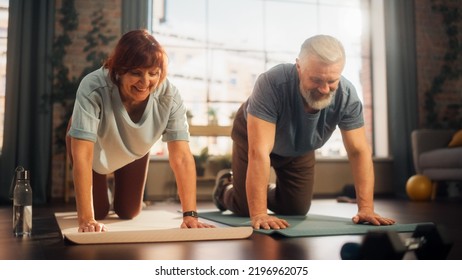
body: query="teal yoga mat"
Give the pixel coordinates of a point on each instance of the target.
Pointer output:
(309, 225)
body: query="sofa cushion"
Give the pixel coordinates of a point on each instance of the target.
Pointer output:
(442, 158)
(456, 140)
(446, 174)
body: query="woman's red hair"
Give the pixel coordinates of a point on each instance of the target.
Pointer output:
(136, 49)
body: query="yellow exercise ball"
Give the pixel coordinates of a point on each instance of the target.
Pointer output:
(419, 188)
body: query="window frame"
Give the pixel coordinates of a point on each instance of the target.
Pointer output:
(376, 115)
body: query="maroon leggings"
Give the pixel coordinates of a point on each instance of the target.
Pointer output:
(294, 184)
(129, 184)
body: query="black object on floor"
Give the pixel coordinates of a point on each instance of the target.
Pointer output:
(428, 242)
(348, 194)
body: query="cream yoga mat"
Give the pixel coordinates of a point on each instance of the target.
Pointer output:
(149, 226)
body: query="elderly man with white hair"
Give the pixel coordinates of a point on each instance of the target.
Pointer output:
(292, 111)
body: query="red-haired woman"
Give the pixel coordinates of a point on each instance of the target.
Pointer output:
(120, 111)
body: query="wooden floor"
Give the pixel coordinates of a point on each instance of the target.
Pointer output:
(47, 243)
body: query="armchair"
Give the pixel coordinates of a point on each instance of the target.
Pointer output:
(437, 155)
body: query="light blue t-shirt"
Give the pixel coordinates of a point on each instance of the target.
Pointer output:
(99, 116)
(276, 98)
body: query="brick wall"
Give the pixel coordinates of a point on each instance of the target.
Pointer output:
(76, 61)
(442, 108)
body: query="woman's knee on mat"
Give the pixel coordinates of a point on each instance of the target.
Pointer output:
(127, 212)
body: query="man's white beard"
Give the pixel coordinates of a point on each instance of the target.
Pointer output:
(317, 103)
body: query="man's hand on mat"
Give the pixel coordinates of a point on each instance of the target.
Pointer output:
(265, 221)
(191, 222)
(369, 216)
(92, 226)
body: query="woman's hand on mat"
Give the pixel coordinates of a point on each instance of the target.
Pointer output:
(369, 216)
(92, 226)
(191, 222)
(265, 221)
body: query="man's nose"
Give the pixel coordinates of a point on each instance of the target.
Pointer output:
(324, 88)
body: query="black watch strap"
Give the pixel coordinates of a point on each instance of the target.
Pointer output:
(190, 214)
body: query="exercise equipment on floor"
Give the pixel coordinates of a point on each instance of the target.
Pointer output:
(348, 194)
(428, 242)
(419, 188)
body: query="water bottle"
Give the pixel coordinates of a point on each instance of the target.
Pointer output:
(22, 204)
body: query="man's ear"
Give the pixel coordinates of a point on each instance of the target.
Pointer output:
(297, 64)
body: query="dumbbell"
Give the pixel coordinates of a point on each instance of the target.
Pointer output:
(428, 242)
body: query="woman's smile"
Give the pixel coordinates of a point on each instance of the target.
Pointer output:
(137, 84)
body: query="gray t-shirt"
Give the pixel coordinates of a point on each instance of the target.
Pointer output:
(99, 116)
(276, 98)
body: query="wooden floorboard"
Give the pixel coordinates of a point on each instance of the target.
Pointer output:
(47, 243)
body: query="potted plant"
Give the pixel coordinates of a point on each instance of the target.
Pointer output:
(212, 116)
(189, 116)
(201, 161)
